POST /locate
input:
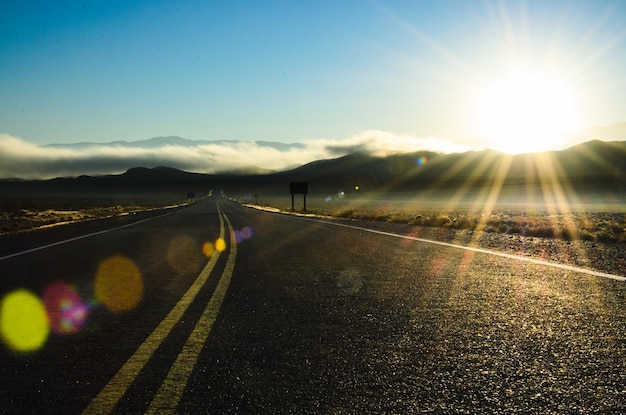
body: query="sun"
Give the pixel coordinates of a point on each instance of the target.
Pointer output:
(525, 111)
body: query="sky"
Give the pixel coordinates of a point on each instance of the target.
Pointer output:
(516, 76)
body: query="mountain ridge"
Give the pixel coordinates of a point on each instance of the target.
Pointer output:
(594, 164)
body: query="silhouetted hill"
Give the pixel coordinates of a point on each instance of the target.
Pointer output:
(595, 158)
(137, 181)
(595, 163)
(160, 174)
(591, 165)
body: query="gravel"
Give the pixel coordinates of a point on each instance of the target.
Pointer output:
(603, 257)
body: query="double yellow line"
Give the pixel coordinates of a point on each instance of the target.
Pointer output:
(171, 390)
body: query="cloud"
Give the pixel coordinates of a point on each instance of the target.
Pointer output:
(21, 159)
(387, 142)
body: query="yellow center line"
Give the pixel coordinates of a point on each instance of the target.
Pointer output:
(110, 395)
(169, 394)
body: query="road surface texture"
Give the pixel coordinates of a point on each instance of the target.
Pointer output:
(216, 308)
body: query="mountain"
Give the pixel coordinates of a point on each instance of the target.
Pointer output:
(591, 166)
(593, 163)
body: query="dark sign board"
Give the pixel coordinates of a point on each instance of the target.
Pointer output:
(298, 188)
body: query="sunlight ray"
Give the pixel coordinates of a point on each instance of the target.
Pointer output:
(492, 171)
(492, 197)
(559, 189)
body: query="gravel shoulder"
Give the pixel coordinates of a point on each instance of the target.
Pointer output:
(606, 257)
(603, 257)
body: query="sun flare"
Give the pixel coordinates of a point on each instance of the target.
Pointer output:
(526, 111)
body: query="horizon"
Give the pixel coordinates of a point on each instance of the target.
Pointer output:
(516, 77)
(25, 161)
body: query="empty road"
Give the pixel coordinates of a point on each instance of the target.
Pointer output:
(216, 308)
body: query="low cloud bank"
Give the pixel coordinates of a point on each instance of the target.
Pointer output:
(21, 159)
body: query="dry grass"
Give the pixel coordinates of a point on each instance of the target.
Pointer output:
(599, 222)
(36, 214)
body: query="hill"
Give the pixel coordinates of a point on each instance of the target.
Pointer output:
(597, 162)
(592, 165)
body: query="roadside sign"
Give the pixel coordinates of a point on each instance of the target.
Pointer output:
(298, 188)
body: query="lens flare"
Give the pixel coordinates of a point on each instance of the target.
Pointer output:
(422, 160)
(208, 249)
(118, 285)
(67, 312)
(220, 245)
(244, 234)
(23, 321)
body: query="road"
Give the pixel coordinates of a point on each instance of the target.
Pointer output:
(216, 308)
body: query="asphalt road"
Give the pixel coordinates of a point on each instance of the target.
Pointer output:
(216, 308)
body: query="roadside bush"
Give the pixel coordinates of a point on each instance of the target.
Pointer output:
(491, 229)
(502, 228)
(397, 219)
(607, 236)
(381, 217)
(419, 220)
(588, 225)
(465, 223)
(541, 231)
(442, 220)
(586, 235)
(566, 233)
(346, 213)
(616, 227)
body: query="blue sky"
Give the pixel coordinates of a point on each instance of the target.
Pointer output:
(293, 71)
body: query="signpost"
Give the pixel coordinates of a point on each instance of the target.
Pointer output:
(298, 188)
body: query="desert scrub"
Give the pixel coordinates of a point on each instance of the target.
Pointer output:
(464, 222)
(587, 224)
(569, 227)
(442, 221)
(27, 219)
(419, 220)
(586, 235)
(397, 218)
(345, 213)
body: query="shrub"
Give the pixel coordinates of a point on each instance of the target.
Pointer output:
(607, 236)
(465, 223)
(441, 220)
(501, 228)
(346, 213)
(585, 235)
(541, 231)
(419, 220)
(617, 228)
(398, 219)
(570, 233)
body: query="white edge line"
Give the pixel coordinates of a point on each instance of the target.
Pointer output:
(485, 251)
(472, 249)
(39, 248)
